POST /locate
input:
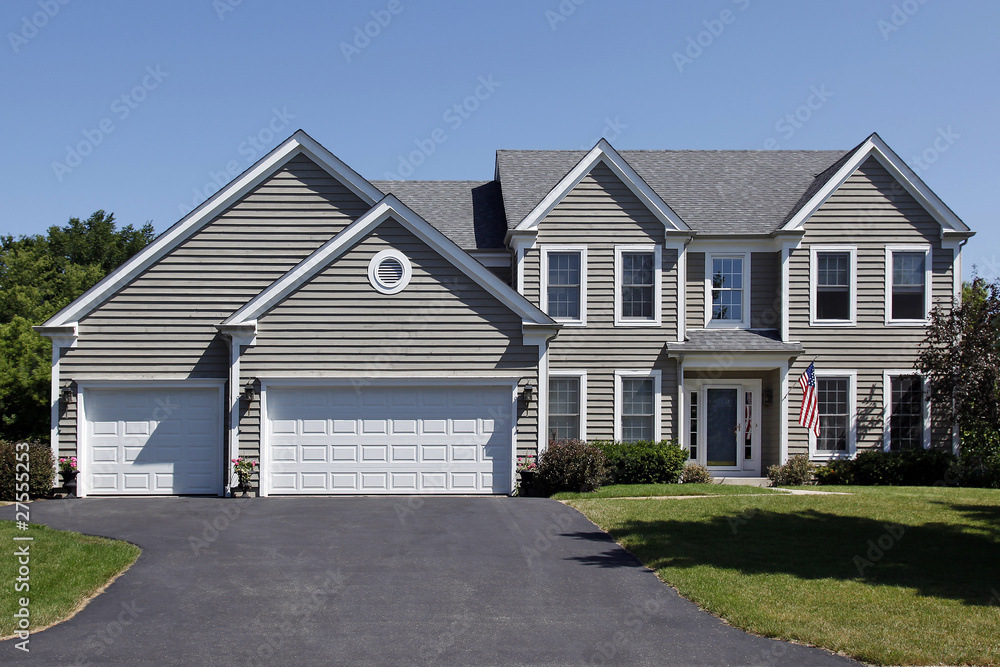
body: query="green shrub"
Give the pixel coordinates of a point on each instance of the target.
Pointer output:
(910, 467)
(695, 473)
(796, 472)
(41, 469)
(571, 465)
(835, 472)
(643, 462)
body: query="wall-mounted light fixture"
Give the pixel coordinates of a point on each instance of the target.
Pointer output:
(248, 392)
(527, 392)
(67, 394)
(768, 397)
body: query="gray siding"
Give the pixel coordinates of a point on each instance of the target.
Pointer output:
(870, 211)
(695, 290)
(765, 290)
(163, 323)
(442, 322)
(601, 212)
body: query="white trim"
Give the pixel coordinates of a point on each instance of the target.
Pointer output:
(582, 377)
(61, 337)
(604, 153)
(520, 244)
(928, 284)
(298, 143)
(542, 400)
(657, 400)
(783, 415)
(887, 375)
(744, 323)
(543, 283)
(875, 147)
(852, 288)
(786, 262)
(955, 245)
(714, 360)
(657, 285)
(389, 207)
(404, 262)
(683, 435)
(82, 445)
(681, 289)
(852, 417)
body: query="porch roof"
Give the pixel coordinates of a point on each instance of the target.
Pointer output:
(735, 340)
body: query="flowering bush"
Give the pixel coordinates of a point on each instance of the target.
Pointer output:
(695, 473)
(68, 465)
(527, 464)
(244, 470)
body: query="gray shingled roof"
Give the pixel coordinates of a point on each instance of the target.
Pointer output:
(470, 213)
(733, 340)
(741, 192)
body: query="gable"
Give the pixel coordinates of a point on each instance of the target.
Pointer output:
(165, 318)
(442, 320)
(600, 205)
(299, 144)
(872, 202)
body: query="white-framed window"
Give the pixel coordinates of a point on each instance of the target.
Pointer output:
(907, 411)
(637, 285)
(836, 398)
(389, 271)
(564, 283)
(637, 405)
(907, 285)
(833, 289)
(727, 290)
(567, 405)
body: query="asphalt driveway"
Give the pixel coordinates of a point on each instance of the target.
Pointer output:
(387, 581)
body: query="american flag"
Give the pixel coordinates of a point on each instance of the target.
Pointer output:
(809, 412)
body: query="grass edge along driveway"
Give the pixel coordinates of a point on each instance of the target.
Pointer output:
(887, 575)
(65, 571)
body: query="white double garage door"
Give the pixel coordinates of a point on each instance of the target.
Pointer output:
(388, 439)
(348, 439)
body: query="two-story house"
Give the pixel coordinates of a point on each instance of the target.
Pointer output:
(415, 337)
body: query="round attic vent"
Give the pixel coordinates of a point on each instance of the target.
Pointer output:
(389, 271)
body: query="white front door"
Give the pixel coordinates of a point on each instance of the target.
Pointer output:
(723, 419)
(360, 439)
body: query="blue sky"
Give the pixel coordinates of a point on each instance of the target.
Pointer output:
(142, 108)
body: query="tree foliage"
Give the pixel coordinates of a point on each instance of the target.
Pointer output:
(40, 275)
(961, 359)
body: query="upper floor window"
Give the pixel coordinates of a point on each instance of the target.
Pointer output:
(637, 285)
(907, 426)
(908, 279)
(833, 290)
(564, 283)
(729, 287)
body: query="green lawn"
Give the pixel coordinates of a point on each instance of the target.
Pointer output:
(644, 490)
(66, 569)
(893, 576)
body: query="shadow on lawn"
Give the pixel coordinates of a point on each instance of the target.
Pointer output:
(937, 560)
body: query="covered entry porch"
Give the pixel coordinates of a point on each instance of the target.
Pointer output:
(733, 399)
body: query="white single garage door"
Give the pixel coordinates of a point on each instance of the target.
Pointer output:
(403, 439)
(152, 441)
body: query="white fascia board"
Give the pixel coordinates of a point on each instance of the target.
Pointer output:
(298, 143)
(62, 336)
(603, 152)
(390, 206)
(875, 147)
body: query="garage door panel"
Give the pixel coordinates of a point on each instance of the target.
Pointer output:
(389, 439)
(162, 441)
